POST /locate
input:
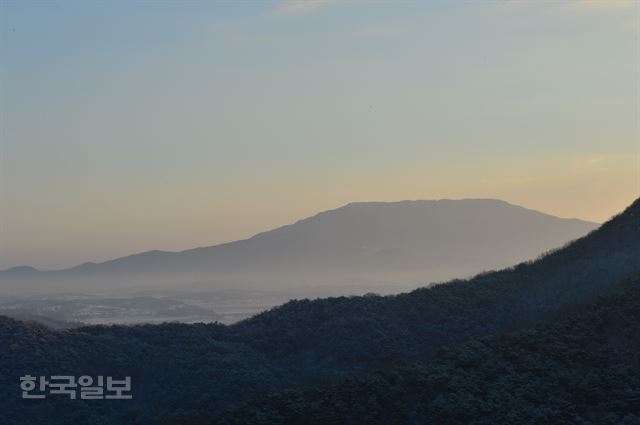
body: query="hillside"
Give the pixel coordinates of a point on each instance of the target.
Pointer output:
(173, 367)
(582, 370)
(394, 245)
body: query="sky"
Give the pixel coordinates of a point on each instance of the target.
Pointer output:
(131, 126)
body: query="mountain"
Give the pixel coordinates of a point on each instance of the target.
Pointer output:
(398, 243)
(484, 350)
(20, 270)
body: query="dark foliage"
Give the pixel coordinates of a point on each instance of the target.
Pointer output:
(174, 368)
(582, 370)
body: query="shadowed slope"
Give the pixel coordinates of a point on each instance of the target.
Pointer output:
(580, 370)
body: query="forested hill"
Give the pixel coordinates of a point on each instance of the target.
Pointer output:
(584, 369)
(197, 371)
(174, 368)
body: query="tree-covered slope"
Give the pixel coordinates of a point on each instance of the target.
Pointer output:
(581, 370)
(174, 368)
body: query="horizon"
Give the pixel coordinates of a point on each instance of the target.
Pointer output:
(135, 127)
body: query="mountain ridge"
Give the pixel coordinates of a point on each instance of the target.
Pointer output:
(355, 204)
(358, 248)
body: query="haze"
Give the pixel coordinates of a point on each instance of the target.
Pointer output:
(126, 127)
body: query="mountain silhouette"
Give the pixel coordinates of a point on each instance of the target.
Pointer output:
(398, 242)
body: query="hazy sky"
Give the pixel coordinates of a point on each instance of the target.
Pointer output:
(129, 127)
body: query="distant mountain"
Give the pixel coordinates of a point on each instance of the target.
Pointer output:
(20, 270)
(458, 352)
(400, 242)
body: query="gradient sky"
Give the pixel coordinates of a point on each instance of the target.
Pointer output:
(130, 127)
